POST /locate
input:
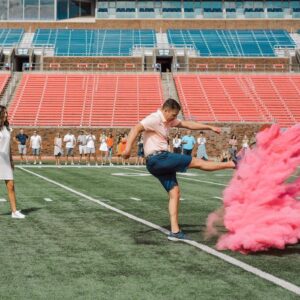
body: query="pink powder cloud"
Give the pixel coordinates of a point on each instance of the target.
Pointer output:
(261, 210)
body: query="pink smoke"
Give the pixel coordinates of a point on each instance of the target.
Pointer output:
(261, 208)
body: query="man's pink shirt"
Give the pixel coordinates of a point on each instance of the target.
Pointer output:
(156, 132)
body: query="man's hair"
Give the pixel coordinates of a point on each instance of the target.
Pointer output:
(171, 104)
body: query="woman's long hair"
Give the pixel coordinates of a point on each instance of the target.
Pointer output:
(3, 120)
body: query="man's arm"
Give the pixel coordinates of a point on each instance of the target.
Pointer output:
(197, 126)
(134, 132)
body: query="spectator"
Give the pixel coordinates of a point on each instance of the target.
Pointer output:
(90, 148)
(177, 144)
(140, 152)
(123, 147)
(81, 141)
(252, 141)
(21, 139)
(188, 142)
(201, 152)
(233, 146)
(6, 162)
(245, 144)
(225, 156)
(110, 145)
(36, 146)
(103, 148)
(58, 148)
(70, 141)
(119, 146)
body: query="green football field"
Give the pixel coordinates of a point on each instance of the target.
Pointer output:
(100, 233)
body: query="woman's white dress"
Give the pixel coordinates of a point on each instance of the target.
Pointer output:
(103, 145)
(6, 172)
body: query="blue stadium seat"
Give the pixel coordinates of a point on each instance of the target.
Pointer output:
(10, 37)
(231, 42)
(81, 42)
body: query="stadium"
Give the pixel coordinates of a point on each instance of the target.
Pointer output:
(98, 230)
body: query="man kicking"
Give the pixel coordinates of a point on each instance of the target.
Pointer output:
(163, 164)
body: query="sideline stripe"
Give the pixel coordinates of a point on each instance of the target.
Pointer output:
(220, 198)
(277, 281)
(186, 178)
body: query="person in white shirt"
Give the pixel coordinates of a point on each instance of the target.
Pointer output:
(58, 151)
(36, 146)
(201, 151)
(6, 163)
(70, 141)
(177, 143)
(90, 148)
(81, 141)
(164, 165)
(103, 148)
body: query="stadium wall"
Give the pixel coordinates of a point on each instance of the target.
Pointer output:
(215, 143)
(225, 64)
(291, 25)
(113, 63)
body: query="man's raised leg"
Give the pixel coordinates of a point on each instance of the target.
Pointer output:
(198, 163)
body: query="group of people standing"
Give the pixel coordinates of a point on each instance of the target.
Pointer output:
(186, 144)
(65, 145)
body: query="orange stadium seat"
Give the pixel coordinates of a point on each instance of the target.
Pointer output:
(240, 98)
(85, 99)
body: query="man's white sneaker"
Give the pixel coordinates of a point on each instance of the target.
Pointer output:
(17, 215)
(40, 162)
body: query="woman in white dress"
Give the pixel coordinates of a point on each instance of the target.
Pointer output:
(6, 163)
(103, 148)
(58, 148)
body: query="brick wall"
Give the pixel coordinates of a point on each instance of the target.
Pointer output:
(290, 25)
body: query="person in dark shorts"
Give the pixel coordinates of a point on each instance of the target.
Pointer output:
(163, 164)
(21, 139)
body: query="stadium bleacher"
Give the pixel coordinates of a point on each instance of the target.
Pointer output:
(86, 100)
(10, 37)
(240, 98)
(81, 42)
(211, 42)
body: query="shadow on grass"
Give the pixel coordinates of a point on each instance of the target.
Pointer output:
(289, 250)
(26, 211)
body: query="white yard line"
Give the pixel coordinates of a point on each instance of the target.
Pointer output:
(185, 178)
(219, 198)
(233, 261)
(2, 200)
(48, 199)
(135, 199)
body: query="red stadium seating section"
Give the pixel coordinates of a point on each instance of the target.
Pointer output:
(3, 81)
(240, 98)
(85, 99)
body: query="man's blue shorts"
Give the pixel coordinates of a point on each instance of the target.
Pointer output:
(165, 165)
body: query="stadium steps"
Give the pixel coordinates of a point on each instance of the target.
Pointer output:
(10, 88)
(4, 82)
(27, 40)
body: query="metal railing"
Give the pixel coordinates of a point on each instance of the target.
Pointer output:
(137, 67)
